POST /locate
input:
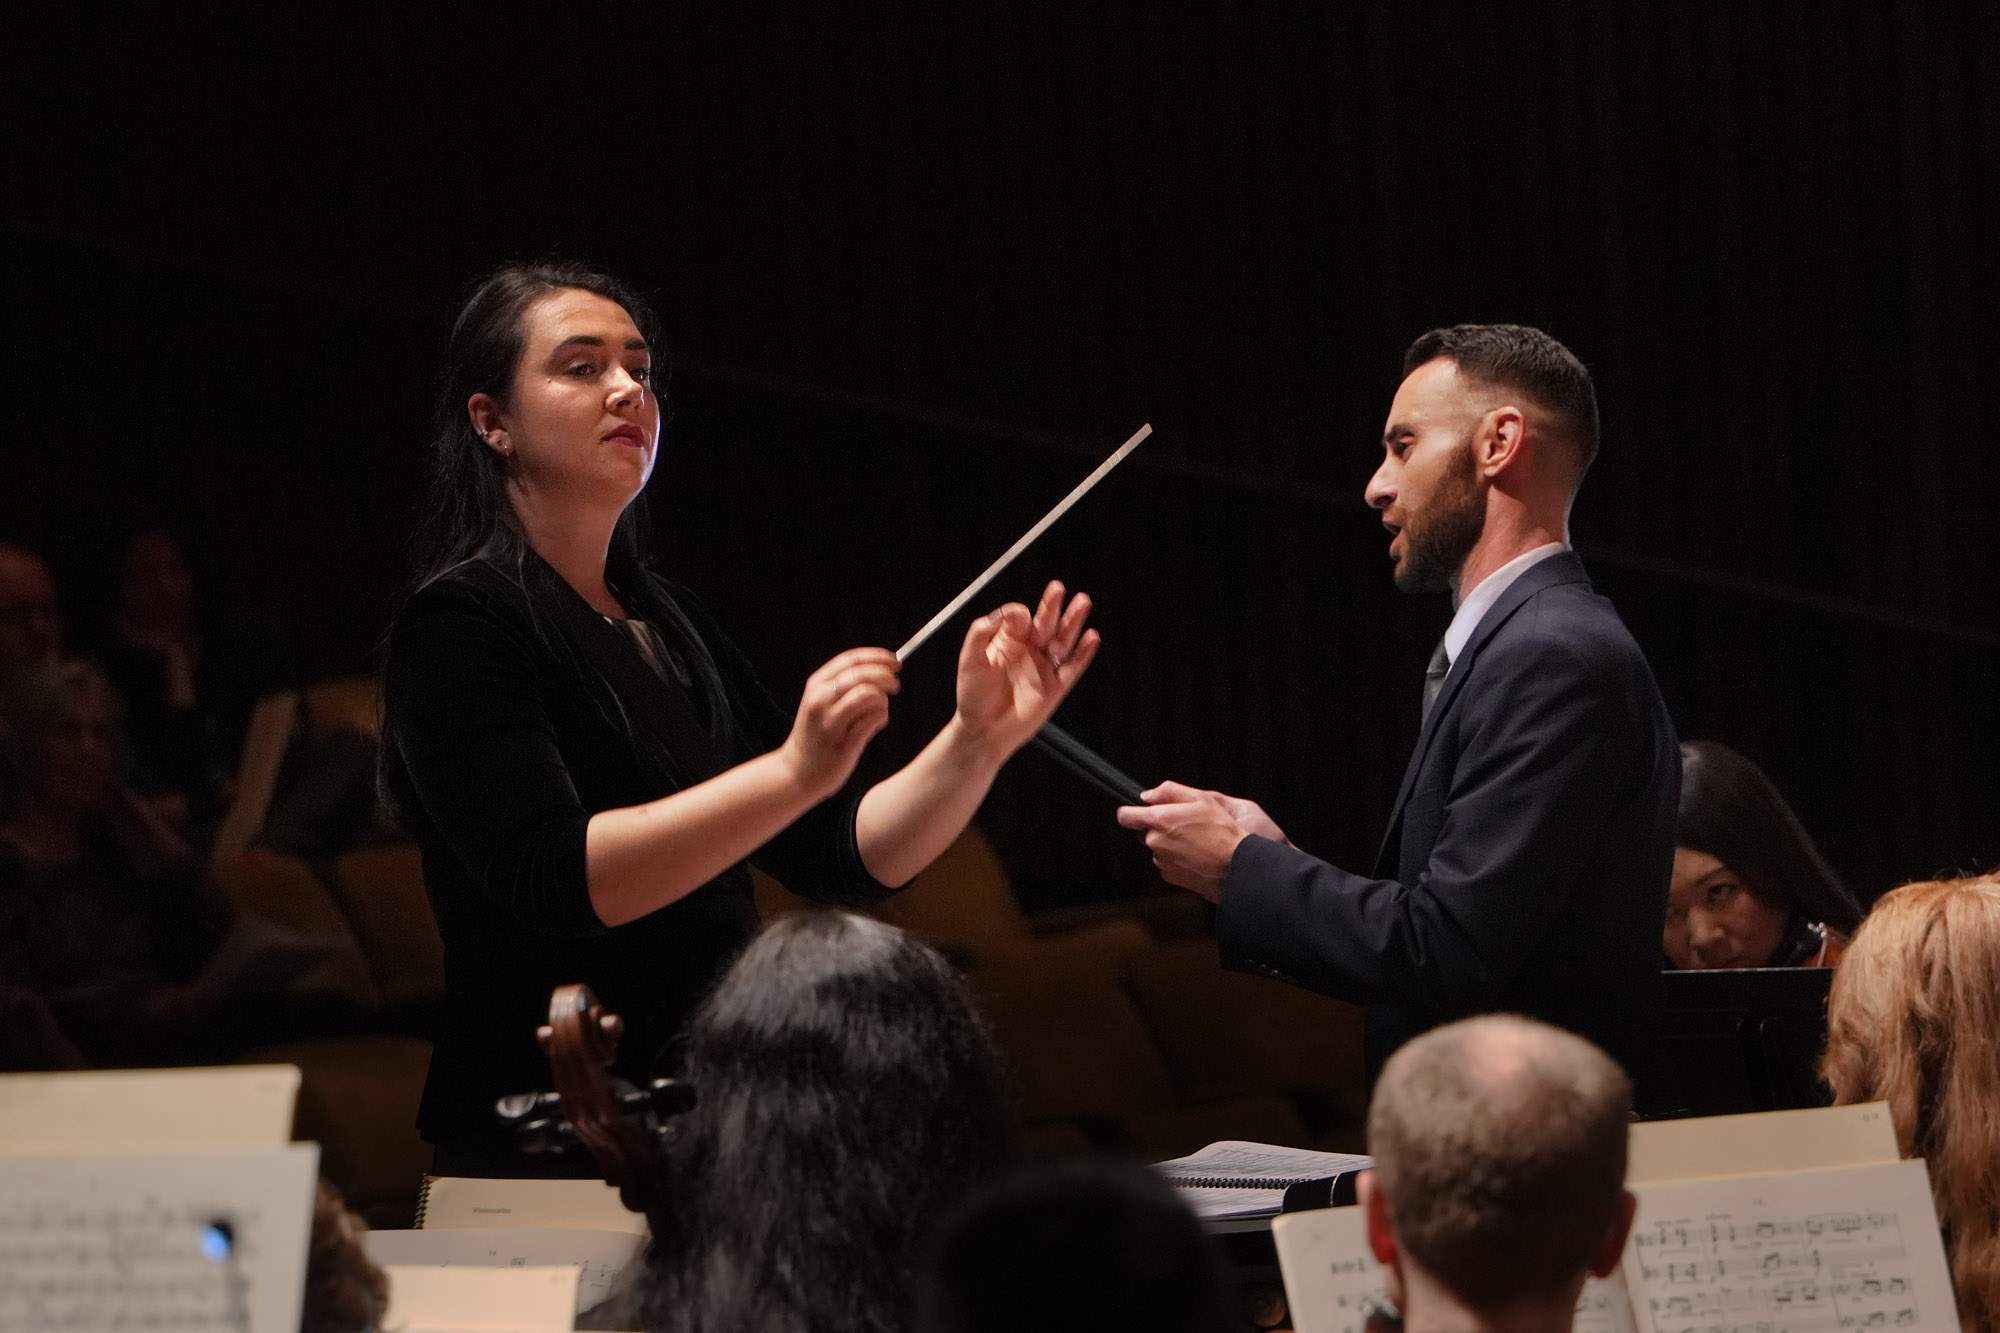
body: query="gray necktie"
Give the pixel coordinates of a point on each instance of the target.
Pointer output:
(1434, 674)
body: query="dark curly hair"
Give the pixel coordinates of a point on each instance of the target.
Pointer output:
(848, 1095)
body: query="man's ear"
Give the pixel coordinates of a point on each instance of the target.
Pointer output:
(488, 421)
(1612, 1249)
(1381, 1236)
(1497, 444)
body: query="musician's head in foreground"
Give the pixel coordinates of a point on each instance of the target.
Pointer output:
(847, 1096)
(547, 421)
(1499, 1181)
(1092, 1245)
(1486, 443)
(1914, 1020)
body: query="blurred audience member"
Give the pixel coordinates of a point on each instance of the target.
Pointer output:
(1750, 887)
(1091, 1245)
(31, 1037)
(1914, 1020)
(1498, 1187)
(345, 1291)
(31, 622)
(847, 1095)
(101, 909)
(179, 736)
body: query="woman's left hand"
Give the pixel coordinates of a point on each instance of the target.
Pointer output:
(1015, 667)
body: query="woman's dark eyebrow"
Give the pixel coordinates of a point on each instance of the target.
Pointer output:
(592, 340)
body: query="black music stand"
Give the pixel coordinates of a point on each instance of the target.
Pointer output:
(1747, 1039)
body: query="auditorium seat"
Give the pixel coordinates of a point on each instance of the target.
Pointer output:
(343, 703)
(358, 1100)
(284, 891)
(382, 890)
(1225, 1035)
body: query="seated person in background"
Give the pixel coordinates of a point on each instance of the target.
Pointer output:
(31, 622)
(1914, 1020)
(103, 910)
(847, 1095)
(1499, 1180)
(181, 717)
(1750, 887)
(1092, 1245)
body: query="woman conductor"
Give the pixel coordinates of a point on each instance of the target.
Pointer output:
(585, 761)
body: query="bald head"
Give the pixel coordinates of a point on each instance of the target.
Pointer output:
(1499, 1149)
(31, 628)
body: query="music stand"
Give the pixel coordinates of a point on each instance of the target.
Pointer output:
(1747, 1039)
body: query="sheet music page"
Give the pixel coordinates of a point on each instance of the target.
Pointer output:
(198, 1241)
(1212, 1202)
(481, 1300)
(1333, 1283)
(549, 1205)
(599, 1257)
(1760, 1143)
(1260, 1161)
(148, 1110)
(1855, 1247)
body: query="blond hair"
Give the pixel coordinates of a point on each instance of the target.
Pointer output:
(1499, 1148)
(1914, 1020)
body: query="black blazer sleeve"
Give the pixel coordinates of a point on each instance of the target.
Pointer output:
(816, 855)
(474, 734)
(1533, 769)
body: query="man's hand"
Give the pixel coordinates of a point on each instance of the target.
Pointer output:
(1193, 834)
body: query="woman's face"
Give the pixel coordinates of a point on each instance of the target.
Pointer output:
(72, 759)
(1713, 920)
(583, 425)
(155, 589)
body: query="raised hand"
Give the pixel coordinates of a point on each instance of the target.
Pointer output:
(844, 704)
(1015, 667)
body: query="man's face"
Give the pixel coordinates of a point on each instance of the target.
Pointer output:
(31, 628)
(1431, 499)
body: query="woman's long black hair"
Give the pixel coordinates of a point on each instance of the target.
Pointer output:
(848, 1095)
(1732, 811)
(466, 516)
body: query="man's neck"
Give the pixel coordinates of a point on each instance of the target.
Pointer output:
(1432, 1309)
(1503, 540)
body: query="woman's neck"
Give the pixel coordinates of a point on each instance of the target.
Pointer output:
(574, 540)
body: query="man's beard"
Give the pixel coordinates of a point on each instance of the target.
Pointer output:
(1441, 535)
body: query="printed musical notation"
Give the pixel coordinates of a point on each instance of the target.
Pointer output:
(149, 1266)
(1748, 1259)
(191, 1242)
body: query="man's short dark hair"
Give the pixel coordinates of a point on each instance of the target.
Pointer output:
(1520, 360)
(1499, 1148)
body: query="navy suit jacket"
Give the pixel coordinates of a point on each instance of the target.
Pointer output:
(1526, 862)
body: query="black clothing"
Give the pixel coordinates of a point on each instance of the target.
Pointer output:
(514, 712)
(1526, 863)
(98, 937)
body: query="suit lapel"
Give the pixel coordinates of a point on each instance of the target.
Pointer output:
(1563, 567)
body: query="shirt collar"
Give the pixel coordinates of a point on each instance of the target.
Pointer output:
(1480, 600)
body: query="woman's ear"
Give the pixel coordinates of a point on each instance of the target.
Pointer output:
(489, 422)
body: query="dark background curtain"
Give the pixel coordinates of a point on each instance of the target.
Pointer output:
(922, 265)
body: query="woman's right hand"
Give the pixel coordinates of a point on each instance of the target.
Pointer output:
(845, 703)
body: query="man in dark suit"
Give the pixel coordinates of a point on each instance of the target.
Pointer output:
(1526, 862)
